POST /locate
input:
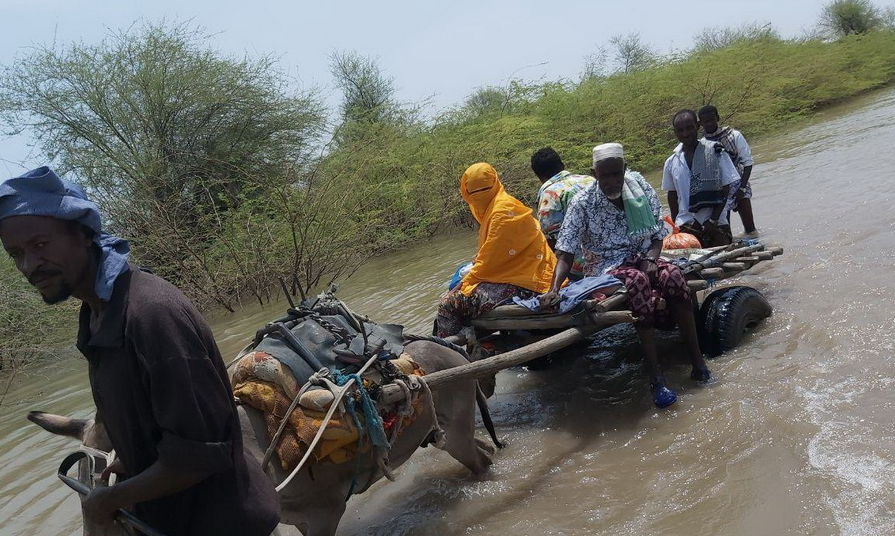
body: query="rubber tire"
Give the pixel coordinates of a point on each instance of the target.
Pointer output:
(726, 315)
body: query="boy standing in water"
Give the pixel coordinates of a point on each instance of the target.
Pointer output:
(735, 145)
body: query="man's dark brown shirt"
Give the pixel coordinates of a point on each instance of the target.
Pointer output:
(162, 392)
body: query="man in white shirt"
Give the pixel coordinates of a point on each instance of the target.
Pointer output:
(698, 177)
(741, 155)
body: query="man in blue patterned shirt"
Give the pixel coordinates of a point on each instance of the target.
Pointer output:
(616, 223)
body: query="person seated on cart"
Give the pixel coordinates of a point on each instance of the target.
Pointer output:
(615, 223)
(513, 257)
(558, 188)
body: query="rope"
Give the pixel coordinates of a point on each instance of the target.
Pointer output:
(405, 411)
(275, 440)
(374, 427)
(439, 433)
(360, 442)
(326, 420)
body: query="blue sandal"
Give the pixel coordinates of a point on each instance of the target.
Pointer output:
(662, 395)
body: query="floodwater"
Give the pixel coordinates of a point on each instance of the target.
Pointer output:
(797, 436)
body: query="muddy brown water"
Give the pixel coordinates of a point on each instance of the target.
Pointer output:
(796, 437)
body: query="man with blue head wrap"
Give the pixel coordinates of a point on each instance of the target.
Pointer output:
(159, 383)
(42, 202)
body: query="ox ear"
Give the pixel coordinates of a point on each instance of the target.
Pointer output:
(59, 425)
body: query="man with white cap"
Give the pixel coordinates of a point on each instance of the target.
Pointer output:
(616, 223)
(159, 384)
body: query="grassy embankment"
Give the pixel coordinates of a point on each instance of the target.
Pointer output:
(412, 170)
(764, 85)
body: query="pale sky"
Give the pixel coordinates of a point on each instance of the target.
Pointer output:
(440, 51)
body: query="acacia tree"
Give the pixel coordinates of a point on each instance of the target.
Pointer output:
(631, 53)
(716, 38)
(169, 135)
(596, 64)
(840, 18)
(486, 102)
(367, 92)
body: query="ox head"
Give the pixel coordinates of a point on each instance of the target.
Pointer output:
(87, 431)
(91, 434)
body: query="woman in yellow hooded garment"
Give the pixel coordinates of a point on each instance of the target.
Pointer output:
(513, 258)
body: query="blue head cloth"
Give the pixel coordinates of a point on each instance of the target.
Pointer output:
(40, 192)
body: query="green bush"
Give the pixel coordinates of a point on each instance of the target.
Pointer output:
(841, 18)
(28, 327)
(759, 83)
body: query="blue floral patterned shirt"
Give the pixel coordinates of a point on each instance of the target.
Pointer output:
(600, 229)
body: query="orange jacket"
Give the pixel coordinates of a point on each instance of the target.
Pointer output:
(512, 248)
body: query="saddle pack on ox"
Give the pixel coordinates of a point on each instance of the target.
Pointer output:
(297, 371)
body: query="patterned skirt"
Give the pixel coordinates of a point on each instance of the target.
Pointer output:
(457, 310)
(644, 297)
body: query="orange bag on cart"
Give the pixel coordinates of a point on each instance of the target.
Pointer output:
(677, 239)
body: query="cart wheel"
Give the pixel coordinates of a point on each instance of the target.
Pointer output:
(727, 314)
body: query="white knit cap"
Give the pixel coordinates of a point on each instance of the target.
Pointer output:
(608, 150)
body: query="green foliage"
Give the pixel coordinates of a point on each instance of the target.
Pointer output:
(367, 95)
(841, 18)
(485, 102)
(168, 135)
(631, 54)
(714, 38)
(759, 82)
(22, 315)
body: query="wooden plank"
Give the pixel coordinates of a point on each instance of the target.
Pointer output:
(491, 365)
(550, 320)
(510, 317)
(734, 266)
(485, 367)
(712, 273)
(505, 311)
(533, 321)
(697, 284)
(616, 301)
(512, 310)
(739, 252)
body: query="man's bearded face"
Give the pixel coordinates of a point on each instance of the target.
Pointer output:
(610, 175)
